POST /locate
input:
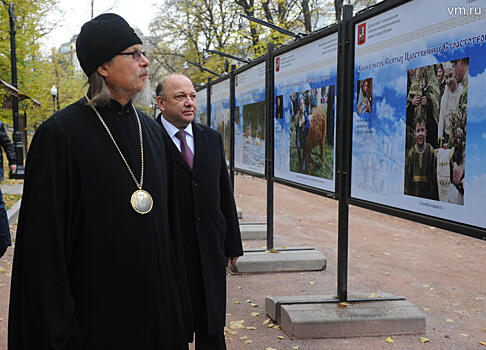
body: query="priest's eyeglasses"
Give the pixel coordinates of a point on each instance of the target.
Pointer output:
(136, 54)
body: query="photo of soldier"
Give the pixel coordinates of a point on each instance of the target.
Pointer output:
(364, 96)
(311, 143)
(437, 156)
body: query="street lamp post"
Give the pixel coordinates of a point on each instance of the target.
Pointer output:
(19, 153)
(54, 94)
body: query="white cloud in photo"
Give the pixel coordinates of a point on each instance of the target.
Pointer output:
(484, 135)
(385, 111)
(478, 185)
(476, 99)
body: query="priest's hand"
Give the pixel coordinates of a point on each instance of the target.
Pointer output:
(231, 260)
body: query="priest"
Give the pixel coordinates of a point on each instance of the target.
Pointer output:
(96, 266)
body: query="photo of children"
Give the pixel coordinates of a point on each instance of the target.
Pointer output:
(436, 131)
(311, 141)
(364, 96)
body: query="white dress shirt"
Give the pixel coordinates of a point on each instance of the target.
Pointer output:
(172, 130)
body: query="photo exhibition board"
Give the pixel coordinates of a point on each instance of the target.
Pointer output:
(305, 113)
(250, 119)
(419, 121)
(201, 105)
(220, 112)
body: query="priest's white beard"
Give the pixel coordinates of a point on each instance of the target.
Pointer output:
(144, 97)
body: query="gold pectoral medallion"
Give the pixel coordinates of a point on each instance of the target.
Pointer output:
(141, 201)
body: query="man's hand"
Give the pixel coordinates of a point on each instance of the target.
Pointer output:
(231, 260)
(457, 173)
(416, 100)
(12, 167)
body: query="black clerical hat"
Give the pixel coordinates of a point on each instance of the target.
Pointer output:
(101, 39)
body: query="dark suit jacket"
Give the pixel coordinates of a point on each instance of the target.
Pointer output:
(208, 219)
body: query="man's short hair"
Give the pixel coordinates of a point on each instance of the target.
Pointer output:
(160, 89)
(464, 60)
(417, 121)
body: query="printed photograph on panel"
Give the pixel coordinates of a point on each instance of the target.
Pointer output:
(311, 141)
(436, 131)
(364, 97)
(253, 133)
(279, 107)
(223, 127)
(202, 118)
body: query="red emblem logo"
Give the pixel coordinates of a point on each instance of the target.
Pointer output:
(362, 33)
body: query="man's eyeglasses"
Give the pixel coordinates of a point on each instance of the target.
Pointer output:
(136, 54)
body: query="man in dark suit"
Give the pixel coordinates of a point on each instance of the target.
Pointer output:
(206, 207)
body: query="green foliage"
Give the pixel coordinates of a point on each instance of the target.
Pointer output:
(35, 73)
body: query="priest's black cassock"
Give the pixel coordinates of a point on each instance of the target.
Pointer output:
(89, 272)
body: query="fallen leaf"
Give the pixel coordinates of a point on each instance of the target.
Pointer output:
(250, 328)
(426, 309)
(280, 337)
(465, 335)
(228, 315)
(2, 270)
(386, 253)
(277, 327)
(239, 287)
(424, 340)
(389, 340)
(255, 314)
(312, 282)
(266, 321)
(273, 250)
(237, 324)
(244, 337)
(372, 295)
(254, 305)
(343, 305)
(479, 298)
(295, 347)
(269, 348)
(482, 343)
(248, 342)
(237, 301)
(426, 285)
(270, 325)
(284, 247)
(248, 301)
(449, 320)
